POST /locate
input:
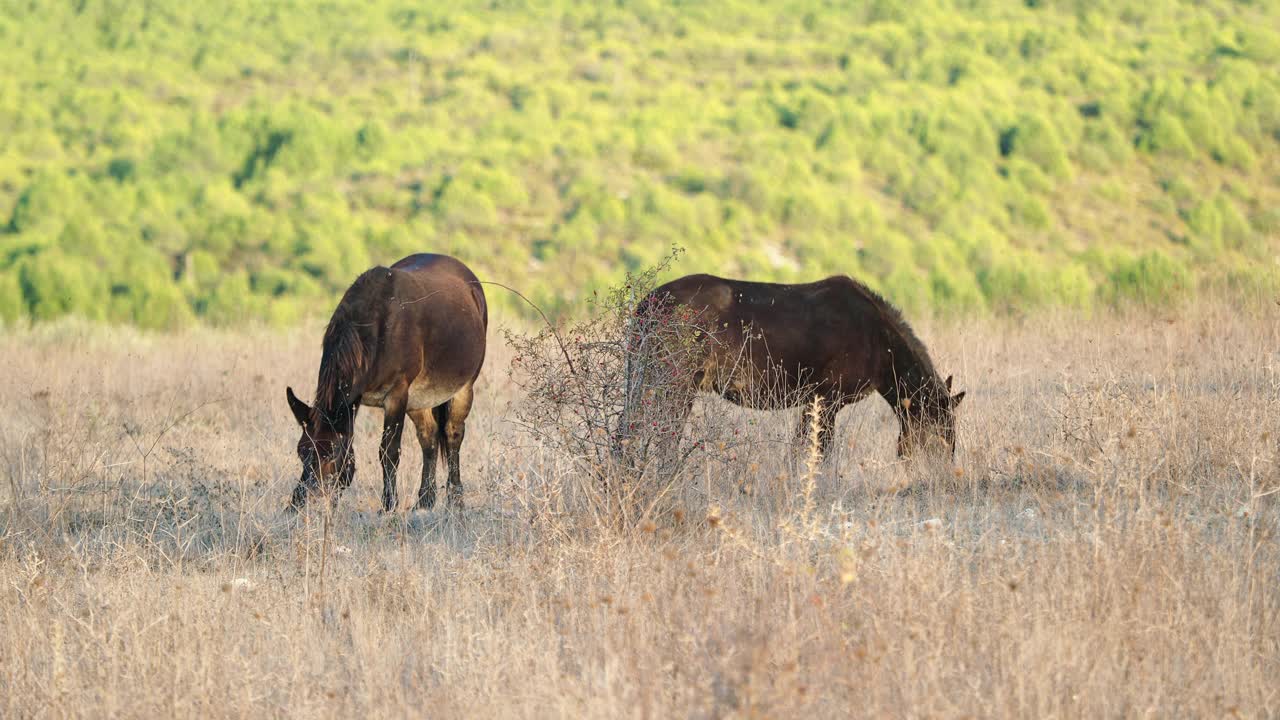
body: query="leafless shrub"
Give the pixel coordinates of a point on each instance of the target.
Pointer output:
(612, 392)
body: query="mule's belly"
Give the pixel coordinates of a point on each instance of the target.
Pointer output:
(765, 390)
(425, 392)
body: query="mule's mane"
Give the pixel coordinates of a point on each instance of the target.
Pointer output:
(900, 326)
(350, 342)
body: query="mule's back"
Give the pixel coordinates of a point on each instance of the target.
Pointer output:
(434, 328)
(822, 332)
(440, 295)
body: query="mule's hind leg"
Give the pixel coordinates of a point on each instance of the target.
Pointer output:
(389, 454)
(453, 431)
(424, 421)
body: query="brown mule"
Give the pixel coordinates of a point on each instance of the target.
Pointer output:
(409, 339)
(771, 346)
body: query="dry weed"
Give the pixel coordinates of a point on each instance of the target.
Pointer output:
(1105, 545)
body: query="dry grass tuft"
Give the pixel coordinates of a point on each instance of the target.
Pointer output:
(1105, 545)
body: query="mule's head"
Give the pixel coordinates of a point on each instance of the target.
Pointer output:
(325, 451)
(929, 421)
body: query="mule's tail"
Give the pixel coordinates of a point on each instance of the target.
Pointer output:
(441, 414)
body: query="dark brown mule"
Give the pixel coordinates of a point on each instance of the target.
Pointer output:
(409, 339)
(773, 346)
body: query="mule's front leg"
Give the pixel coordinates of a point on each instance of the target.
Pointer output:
(392, 427)
(300, 493)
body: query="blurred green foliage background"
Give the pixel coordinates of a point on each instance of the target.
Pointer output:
(164, 161)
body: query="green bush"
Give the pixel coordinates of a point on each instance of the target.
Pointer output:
(161, 307)
(1105, 145)
(1167, 135)
(1205, 221)
(930, 190)
(1152, 278)
(220, 162)
(463, 205)
(955, 290)
(13, 305)
(1036, 139)
(1217, 224)
(55, 284)
(231, 301)
(1014, 281)
(44, 201)
(1236, 232)
(1071, 285)
(1027, 209)
(907, 288)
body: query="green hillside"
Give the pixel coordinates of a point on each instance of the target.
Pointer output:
(164, 161)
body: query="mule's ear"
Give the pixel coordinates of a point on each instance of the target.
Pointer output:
(955, 399)
(949, 383)
(301, 412)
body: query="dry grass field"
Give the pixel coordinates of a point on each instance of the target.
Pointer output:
(1105, 545)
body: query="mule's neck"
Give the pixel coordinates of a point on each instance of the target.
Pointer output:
(909, 376)
(340, 384)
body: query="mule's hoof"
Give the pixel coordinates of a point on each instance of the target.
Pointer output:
(427, 501)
